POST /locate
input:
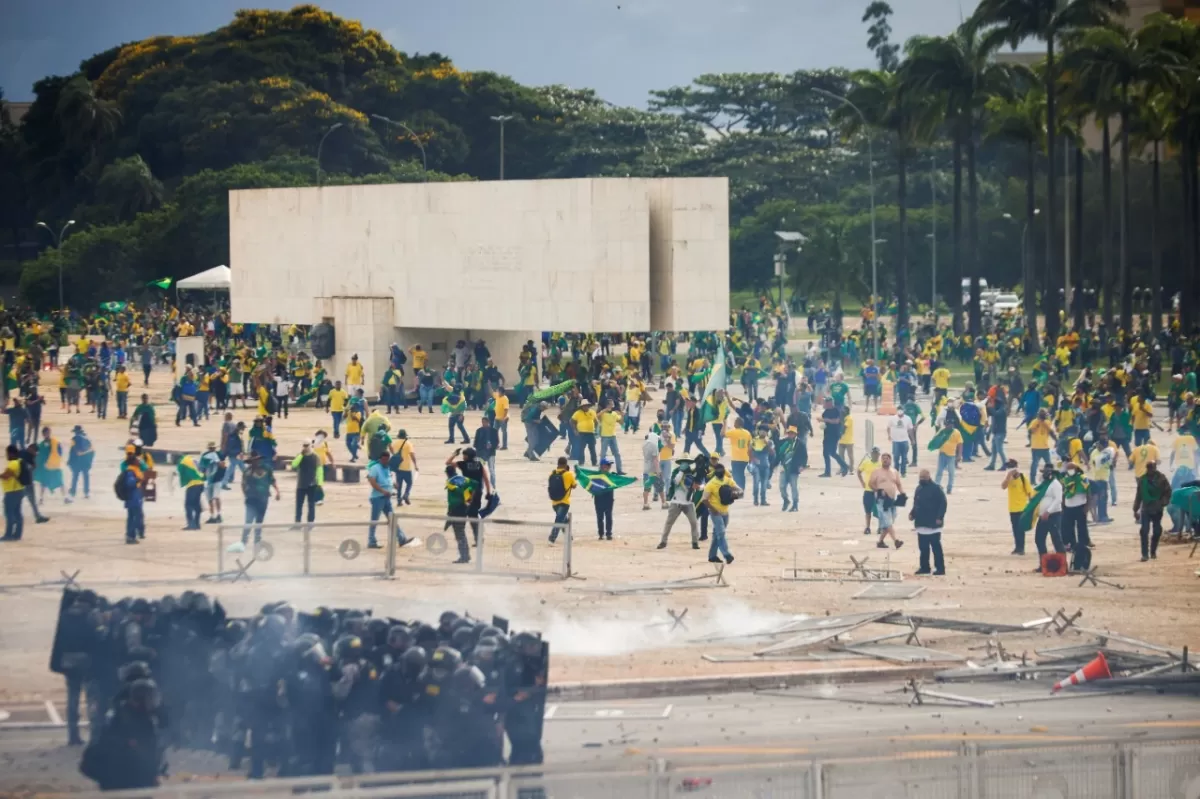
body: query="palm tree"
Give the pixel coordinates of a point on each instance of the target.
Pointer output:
(957, 70)
(889, 105)
(1011, 22)
(1111, 63)
(1149, 128)
(84, 116)
(1022, 120)
(1178, 101)
(129, 186)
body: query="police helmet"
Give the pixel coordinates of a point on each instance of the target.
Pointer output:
(468, 681)
(443, 662)
(354, 623)
(143, 696)
(285, 610)
(484, 653)
(425, 637)
(273, 627)
(399, 638)
(490, 631)
(461, 639)
(134, 670)
(139, 607)
(413, 661)
(168, 604)
(527, 644)
(308, 647)
(377, 631)
(447, 619)
(348, 647)
(235, 631)
(201, 604)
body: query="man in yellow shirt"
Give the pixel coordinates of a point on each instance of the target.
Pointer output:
(1146, 453)
(1142, 413)
(739, 451)
(121, 385)
(1020, 492)
(718, 511)
(355, 375)
(1040, 433)
(561, 483)
(405, 460)
(14, 494)
(941, 382)
(584, 423)
(610, 419)
(865, 470)
(337, 407)
(948, 458)
(501, 409)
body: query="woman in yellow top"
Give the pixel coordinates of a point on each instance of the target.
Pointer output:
(846, 442)
(49, 470)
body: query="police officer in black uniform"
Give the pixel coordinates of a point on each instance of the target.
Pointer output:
(125, 754)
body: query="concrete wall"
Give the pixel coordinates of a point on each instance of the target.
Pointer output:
(689, 253)
(569, 255)
(185, 346)
(362, 327)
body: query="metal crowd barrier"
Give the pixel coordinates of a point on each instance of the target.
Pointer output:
(1102, 769)
(502, 547)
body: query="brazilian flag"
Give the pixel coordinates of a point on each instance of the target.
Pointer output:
(162, 283)
(189, 474)
(1028, 516)
(597, 482)
(969, 419)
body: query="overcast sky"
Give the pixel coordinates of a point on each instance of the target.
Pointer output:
(622, 48)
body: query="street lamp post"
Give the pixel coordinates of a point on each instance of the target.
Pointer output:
(332, 128)
(933, 235)
(502, 119)
(58, 246)
(1025, 276)
(415, 138)
(871, 175)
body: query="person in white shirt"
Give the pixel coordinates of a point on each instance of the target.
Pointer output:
(900, 429)
(283, 388)
(1049, 514)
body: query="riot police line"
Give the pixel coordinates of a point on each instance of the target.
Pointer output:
(292, 694)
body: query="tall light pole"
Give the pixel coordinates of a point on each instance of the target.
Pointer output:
(58, 238)
(416, 141)
(871, 175)
(502, 119)
(1025, 276)
(332, 128)
(933, 235)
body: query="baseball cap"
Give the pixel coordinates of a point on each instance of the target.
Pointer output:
(606, 462)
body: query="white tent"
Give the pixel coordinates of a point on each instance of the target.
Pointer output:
(219, 278)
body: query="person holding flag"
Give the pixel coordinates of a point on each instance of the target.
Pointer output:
(948, 444)
(601, 485)
(1046, 507)
(191, 480)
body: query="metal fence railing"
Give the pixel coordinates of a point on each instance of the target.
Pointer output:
(506, 547)
(1096, 770)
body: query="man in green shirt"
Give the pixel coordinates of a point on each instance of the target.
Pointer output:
(459, 491)
(839, 391)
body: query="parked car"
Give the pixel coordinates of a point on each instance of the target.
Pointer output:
(1004, 303)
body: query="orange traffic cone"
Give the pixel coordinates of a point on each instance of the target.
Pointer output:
(1096, 670)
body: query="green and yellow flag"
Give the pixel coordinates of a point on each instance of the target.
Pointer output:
(1029, 515)
(598, 482)
(161, 283)
(189, 474)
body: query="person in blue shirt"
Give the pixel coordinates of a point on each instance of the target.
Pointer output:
(147, 363)
(379, 476)
(79, 461)
(18, 417)
(212, 466)
(186, 399)
(872, 387)
(1031, 401)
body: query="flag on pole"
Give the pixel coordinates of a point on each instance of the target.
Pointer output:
(716, 380)
(597, 482)
(162, 283)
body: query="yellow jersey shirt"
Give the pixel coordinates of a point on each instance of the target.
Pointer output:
(867, 467)
(847, 431)
(941, 378)
(354, 374)
(1039, 434)
(1019, 493)
(13, 483)
(951, 445)
(354, 422)
(1141, 456)
(501, 406)
(568, 483)
(419, 358)
(739, 439)
(1141, 413)
(712, 494)
(585, 420)
(337, 400)
(609, 420)
(404, 448)
(121, 381)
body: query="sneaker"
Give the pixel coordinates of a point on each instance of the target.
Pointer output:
(413, 542)
(661, 545)
(695, 545)
(374, 545)
(463, 559)
(1144, 558)
(236, 547)
(922, 573)
(211, 520)
(1153, 556)
(784, 508)
(793, 509)
(44, 519)
(939, 574)
(881, 545)
(134, 541)
(714, 560)
(704, 538)
(866, 531)
(219, 520)
(728, 559)
(608, 537)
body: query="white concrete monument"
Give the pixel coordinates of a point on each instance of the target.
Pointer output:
(431, 263)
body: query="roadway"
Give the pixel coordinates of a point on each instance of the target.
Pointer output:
(775, 726)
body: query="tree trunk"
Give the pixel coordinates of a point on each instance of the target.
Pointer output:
(973, 230)
(1155, 247)
(1106, 267)
(1126, 293)
(1053, 264)
(1077, 251)
(1027, 249)
(902, 266)
(1194, 222)
(957, 232)
(1185, 284)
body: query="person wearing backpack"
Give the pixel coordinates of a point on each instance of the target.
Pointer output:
(719, 494)
(14, 493)
(559, 488)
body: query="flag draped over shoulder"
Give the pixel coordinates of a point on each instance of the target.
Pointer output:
(1028, 516)
(968, 418)
(941, 438)
(597, 481)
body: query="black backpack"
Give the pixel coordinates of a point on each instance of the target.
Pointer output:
(726, 495)
(557, 487)
(119, 487)
(25, 476)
